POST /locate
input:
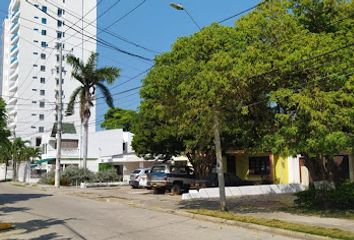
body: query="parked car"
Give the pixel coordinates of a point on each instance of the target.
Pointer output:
(138, 178)
(175, 178)
(230, 180)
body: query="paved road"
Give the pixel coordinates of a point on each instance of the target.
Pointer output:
(43, 215)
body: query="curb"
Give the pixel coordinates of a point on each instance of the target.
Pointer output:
(251, 226)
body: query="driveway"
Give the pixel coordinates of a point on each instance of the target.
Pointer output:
(40, 214)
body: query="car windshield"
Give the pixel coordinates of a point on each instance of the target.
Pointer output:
(158, 169)
(136, 171)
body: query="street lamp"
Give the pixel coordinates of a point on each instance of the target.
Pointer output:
(180, 7)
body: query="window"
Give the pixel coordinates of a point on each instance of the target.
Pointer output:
(42, 80)
(35, 29)
(33, 114)
(35, 41)
(41, 117)
(36, 5)
(33, 127)
(34, 77)
(35, 53)
(33, 89)
(57, 80)
(44, 21)
(35, 17)
(43, 56)
(38, 142)
(125, 150)
(259, 165)
(44, 44)
(61, 12)
(41, 104)
(44, 32)
(35, 65)
(59, 35)
(59, 23)
(42, 68)
(42, 92)
(34, 102)
(40, 129)
(44, 9)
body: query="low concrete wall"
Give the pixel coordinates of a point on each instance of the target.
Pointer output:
(2, 172)
(244, 191)
(107, 184)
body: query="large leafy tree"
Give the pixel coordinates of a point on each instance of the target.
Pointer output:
(119, 118)
(90, 78)
(313, 100)
(4, 134)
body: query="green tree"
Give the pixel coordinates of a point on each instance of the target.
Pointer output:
(4, 135)
(119, 118)
(89, 77)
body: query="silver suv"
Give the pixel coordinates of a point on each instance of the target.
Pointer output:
(138, 178)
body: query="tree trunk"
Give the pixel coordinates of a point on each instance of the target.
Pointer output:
(14, 170)
(316, 168)
(219, 163)
(6, 162)
(85, 143)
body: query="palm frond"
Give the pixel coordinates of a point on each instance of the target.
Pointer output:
(92, 62)
(107, 73)
(106, 93)
(70, 108)
(75, 62)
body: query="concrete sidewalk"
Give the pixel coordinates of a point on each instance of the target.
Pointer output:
(263, 206)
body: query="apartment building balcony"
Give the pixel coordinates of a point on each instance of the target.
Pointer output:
(13, 87)
(14, 39)
(15, 14)
(14, 51)
(14, 27)
(12, 101)
(13, 62)
(11, 125)
(12, 112)
(13, 75)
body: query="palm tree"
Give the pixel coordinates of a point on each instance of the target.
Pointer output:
(89, 77)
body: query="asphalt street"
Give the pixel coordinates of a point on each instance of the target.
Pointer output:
(46, 215)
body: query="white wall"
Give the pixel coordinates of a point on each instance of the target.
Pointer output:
(294, 169)
(105, 143)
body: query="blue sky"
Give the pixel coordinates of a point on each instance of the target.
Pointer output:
(154, 25)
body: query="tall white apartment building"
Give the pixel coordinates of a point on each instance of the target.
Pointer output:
(30, 61)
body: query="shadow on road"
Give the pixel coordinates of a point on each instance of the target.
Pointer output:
(13, 209)
(49, 236)
(8, 198)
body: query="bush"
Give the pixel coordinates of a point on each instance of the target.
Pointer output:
(340, 198)
(109, 175)
(75, 175)
(49, 179)
(104, 167)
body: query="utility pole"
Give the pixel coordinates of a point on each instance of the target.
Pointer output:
(60, 116)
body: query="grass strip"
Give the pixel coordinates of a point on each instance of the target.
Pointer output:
(5, 226)
(297, 227)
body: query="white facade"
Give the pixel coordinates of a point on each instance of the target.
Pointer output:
(30, 61)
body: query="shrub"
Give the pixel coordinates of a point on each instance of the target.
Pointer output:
(49, 179)
(104, 167)
(340, 198)
(75, 175)
(109, 175)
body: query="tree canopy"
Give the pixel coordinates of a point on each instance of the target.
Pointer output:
(119, 118)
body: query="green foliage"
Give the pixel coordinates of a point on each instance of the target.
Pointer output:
(75, 175)
(104, 166)
(320, 199)
(117, 118)
(49, 179)
(109, 175)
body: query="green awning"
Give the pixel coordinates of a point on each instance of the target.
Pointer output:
(39, 162)
(68, 128)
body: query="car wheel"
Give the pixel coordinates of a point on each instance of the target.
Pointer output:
(176, 189)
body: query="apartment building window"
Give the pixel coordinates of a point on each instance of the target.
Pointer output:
(41, 117)
(34, 90)
(33, 127)
(44, 21)
(35, 41)
(60, 35)
(41, 129)
(35, 65)
(35, 53)
(61, 12)
(36, 5)
(44, 9)
(41, 104)
(42, 80)
(34, 77)
(35, 29)
(42, 68)
(43, 56)
(44, 44)
(59, 23)
(34, 102)
(42, 92)
(33, 114)
(44, 32)
(38, 142)
(36, 17)
(57, 80)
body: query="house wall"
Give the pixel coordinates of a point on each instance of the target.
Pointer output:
(280, 169)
